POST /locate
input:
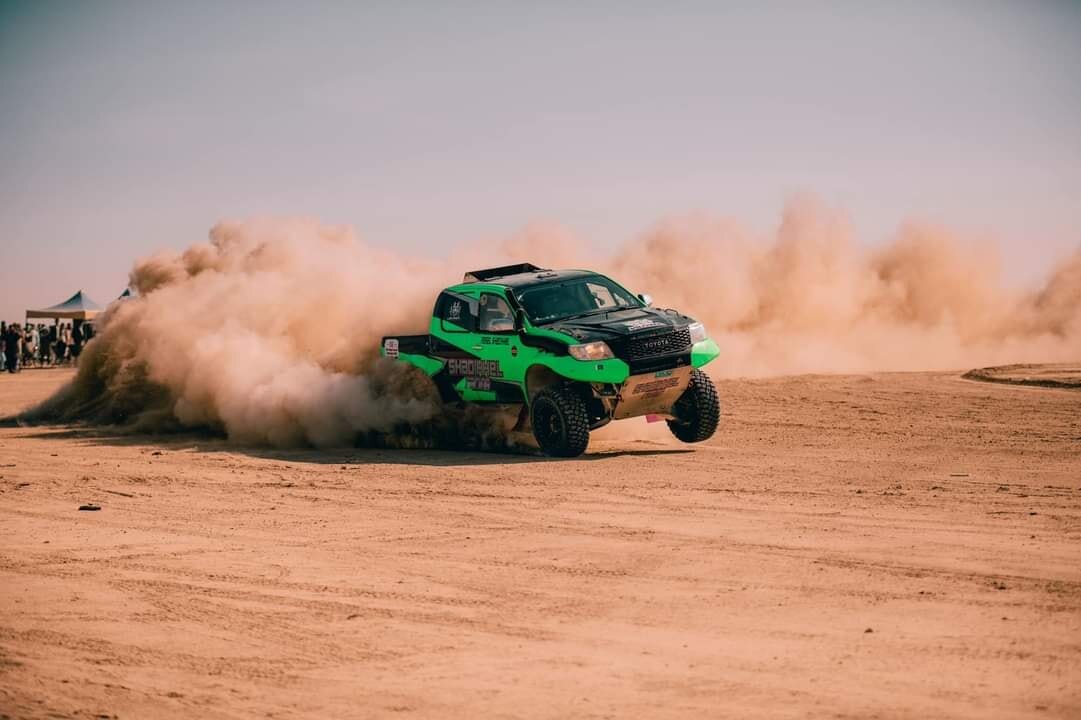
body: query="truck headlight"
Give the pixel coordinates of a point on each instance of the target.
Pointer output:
(591, 351)
(698, 332)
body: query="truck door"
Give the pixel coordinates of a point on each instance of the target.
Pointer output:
(473, 333)
(453, 332)
(500, 375)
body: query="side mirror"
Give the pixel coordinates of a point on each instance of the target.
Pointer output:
(647, 300)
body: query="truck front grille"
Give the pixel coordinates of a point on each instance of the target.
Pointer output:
(667, 343)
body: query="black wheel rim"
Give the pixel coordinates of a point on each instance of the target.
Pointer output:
(685, 410)
(548, 423)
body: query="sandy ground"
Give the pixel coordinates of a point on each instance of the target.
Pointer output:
(900, 545)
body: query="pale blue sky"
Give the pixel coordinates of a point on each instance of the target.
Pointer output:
(125, 127)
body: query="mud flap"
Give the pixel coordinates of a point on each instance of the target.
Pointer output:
(651, 393)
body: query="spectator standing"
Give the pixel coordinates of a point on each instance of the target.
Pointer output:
(76, 341)
(61, 347)
(30, 345)
(44, 348)
(13, 340)
(70, 342)
(54, 339)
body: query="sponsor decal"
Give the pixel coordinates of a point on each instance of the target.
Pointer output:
(455, 311)
(471, 368)
(642, 324)
(662, 373)
(479, 383)
(494, 340)
(655, 386)
(390, 348)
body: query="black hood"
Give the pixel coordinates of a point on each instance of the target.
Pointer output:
(619, 324)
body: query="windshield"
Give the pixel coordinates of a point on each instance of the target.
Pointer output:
(563, 299)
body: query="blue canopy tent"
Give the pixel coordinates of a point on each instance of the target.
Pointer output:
(76, 307)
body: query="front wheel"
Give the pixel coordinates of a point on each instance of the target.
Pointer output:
(698, 410)
(560, 422)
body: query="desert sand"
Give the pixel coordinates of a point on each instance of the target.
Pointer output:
(887, 545)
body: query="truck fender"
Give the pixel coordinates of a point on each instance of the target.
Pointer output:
(537, 378)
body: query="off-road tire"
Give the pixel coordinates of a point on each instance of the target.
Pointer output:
(560, 422)
(698, 410)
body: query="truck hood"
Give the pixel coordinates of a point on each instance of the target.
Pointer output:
(619, 324)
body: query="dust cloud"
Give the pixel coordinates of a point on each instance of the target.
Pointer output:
(810, 299)
(270, 331)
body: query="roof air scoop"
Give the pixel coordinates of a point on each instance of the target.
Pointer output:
(498, 272)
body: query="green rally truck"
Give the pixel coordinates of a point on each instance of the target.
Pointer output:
(571, 349)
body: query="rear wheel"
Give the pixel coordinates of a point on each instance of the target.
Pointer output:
(560, 422)
(698, 410)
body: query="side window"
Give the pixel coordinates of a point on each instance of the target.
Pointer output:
(495, 315)
(457, 313)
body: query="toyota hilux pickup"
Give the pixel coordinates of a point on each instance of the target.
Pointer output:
(572, 350)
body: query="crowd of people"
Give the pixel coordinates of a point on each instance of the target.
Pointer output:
(43, 345)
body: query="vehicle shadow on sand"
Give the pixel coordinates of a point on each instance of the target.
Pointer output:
(439, 458)
(212, 443)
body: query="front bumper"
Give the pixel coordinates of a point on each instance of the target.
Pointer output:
(651, 393)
